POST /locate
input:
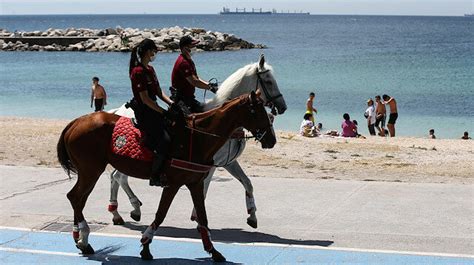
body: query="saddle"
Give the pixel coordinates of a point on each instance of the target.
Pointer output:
(129, 141)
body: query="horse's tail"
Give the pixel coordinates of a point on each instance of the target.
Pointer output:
(63, 156)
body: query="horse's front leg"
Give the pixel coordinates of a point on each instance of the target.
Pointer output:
(207, 182)
(197, 193)
(166, 198)
(235, 170)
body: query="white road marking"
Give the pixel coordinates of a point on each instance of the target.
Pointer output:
(257, 244)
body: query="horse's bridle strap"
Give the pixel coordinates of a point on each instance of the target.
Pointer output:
(264, 88)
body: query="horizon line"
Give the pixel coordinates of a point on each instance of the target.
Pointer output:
(217, 14)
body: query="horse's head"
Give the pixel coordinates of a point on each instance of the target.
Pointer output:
(267, 88)
(257, 121)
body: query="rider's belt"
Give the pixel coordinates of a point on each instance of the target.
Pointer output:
(189, 166)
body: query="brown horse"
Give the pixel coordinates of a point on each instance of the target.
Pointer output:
(85, 148)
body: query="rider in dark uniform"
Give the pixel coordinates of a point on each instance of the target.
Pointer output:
(150, 116)
(184, 78)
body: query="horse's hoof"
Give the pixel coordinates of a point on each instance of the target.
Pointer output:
(252, 223)
(135, 216)
(145, 253)
(217, 256)
(86, 250)
(118, 221)
(193, 218)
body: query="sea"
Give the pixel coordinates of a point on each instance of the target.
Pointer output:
(425, 63)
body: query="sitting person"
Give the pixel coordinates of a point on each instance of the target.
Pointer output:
(307, 127)
(466, 136)
(348, 127)
(319, 126)
(358, 135)
(431, 134)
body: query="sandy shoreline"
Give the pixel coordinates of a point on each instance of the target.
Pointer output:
(32, 142)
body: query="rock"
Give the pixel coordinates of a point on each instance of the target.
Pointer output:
(167, 39)
(49, 48)
(197, 31)
(111, 31)
(72, 33)
(147, 35)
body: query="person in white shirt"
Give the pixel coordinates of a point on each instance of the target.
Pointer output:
(370, 115)
(307, 127)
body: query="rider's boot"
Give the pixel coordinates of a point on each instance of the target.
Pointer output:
(156, 168)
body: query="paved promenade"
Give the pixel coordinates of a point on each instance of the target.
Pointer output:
(299, 221)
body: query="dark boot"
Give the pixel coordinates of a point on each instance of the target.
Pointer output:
(156, 168)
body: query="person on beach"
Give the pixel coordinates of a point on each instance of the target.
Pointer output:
(348, 127)
(356, 130)
(431, 134)
(392, 118)
(309, 106)
(466, 136)
(184, 78)
(370, 115)
(307, 127)
(98, 95)
(380, 113)
(150, 116)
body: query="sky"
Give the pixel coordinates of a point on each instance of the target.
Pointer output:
(349, 7)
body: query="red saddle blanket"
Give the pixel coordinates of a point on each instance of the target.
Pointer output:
(128, 141)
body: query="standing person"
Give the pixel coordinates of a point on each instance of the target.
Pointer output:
(370, 114)
(380, 113)
(98, 95)
(150, 116)
(431, 134)
(309, 106)
(348, 127)
(184, 78)
(392, 118)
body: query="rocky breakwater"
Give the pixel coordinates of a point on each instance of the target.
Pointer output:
(117, 40)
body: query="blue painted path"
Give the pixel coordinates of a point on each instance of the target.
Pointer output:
(33, 247)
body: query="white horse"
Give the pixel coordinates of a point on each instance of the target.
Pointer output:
(253, 77)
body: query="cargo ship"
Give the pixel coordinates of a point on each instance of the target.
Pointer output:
(258, 11)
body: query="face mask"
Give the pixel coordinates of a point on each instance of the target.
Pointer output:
(152, 58)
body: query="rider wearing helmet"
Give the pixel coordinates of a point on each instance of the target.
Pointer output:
(150, 116)
(184, 78)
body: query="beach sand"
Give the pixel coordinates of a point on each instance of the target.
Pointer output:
(32, 142)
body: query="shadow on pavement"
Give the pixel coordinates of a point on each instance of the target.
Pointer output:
(106, 256)
(229, 235)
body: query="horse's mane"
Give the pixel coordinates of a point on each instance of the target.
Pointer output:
(237, 79)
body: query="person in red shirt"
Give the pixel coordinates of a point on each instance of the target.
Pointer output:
(150, 116)
(184, 78)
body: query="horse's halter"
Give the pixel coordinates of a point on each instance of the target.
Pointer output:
(270, 98)
(259, 133)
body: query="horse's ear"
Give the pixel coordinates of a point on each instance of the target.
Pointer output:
(262, 61)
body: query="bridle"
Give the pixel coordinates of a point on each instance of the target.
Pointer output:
(269, 98)
(258, 134)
